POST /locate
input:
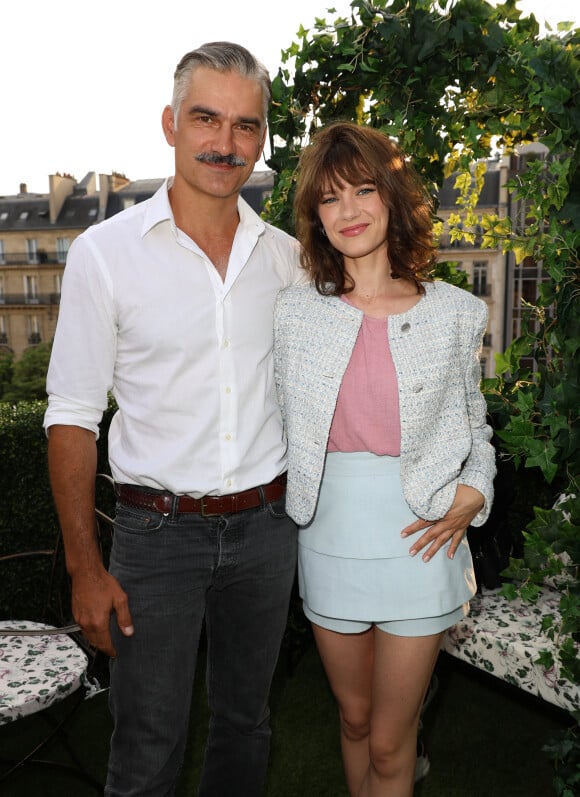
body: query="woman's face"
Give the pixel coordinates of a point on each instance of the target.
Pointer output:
(355, 219)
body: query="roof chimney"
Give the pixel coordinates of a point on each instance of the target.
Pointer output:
(23, 189)
(60, 187)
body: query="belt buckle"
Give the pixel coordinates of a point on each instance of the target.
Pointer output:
(205, 512)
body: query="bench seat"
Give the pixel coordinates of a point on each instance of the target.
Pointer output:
(505, 638)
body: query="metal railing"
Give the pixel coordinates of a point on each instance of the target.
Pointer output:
(42, 299)
(38, 259)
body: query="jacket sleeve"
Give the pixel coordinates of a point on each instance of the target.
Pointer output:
(479, 468)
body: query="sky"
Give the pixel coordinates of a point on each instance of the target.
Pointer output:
(83, 85)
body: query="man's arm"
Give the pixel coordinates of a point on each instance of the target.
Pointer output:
(72, 462)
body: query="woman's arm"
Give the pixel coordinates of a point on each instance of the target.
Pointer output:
(474, 493)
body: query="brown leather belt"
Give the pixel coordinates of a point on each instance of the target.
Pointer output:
(166, 503)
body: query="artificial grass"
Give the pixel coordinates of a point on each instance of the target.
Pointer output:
(484, 739)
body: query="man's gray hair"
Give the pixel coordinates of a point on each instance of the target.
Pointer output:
(222, 57)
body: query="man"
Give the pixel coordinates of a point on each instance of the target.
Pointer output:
(169, 305)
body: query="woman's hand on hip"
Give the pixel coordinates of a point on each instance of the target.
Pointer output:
(452, 526)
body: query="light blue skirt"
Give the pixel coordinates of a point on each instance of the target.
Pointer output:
(353, 563)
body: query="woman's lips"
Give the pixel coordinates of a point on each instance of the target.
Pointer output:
(353, 231)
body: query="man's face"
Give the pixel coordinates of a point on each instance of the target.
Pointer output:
(220, 132)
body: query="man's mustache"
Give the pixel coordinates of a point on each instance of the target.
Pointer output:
(214, 157)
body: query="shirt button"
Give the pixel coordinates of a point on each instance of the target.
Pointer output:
(228, 482)
(226, 343)
(406, 327)
(228, 390)
(228, 436)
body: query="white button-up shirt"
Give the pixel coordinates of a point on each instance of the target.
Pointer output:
(188, 358)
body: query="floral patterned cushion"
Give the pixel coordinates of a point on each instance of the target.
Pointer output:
(36, 671)
(505, 639)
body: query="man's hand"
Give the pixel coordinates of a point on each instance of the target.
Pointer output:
(94, 598)
(72, 460)
(452, 526)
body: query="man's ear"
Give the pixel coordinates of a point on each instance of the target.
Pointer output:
(262, 144)
(168, 125)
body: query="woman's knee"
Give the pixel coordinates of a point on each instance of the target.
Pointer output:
(389, 755)
(355, 722)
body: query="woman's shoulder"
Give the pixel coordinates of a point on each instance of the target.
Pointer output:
(453, 296)
(305, 295)
(302, 289)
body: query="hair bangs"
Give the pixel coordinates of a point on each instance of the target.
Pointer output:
(342, 165)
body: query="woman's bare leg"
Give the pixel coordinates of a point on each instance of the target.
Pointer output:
(379, 681)
(348, 661)
(402, 671)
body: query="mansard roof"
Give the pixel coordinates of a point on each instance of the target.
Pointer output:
(27, 211)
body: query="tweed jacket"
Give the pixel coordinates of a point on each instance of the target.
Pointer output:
(435, 346)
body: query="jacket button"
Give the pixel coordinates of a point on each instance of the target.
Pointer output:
(406, 327)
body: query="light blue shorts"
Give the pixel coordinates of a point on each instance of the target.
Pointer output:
(421, 626)
(354, 567)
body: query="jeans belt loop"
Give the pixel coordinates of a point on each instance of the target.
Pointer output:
(260, 489)
(174, 508)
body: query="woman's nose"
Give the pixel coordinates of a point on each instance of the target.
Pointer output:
(349, 209)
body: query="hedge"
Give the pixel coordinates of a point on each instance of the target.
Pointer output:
(28, 518)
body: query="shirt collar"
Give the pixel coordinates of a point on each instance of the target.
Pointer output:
(159, 210)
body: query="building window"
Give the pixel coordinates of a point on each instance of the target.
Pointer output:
(480, 278)
(55, 296)
(483, 366)
(2, 299)
(33, 329)
(3, 330)
(32, 250)
(62, 245)
(30, 289)
(527, 278)
(2, 257)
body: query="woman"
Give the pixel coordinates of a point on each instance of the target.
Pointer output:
(390, 459)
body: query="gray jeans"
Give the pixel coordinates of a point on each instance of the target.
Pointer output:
(234, 570)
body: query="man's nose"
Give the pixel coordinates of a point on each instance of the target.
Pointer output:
(225, 140)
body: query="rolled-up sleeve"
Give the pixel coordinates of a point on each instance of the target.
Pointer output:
(81, 367)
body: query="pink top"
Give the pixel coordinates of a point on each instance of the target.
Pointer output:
(366, 417)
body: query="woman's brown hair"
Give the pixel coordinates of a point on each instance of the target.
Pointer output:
(344, 152)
